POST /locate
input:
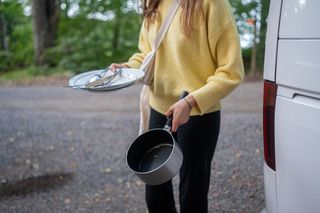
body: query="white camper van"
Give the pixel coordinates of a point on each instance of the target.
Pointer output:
(292, 107)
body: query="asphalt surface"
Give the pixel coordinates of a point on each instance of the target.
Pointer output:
(64, 151)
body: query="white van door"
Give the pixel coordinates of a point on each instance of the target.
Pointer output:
(297, 111)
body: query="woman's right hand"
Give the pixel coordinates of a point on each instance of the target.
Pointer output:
(115, 66)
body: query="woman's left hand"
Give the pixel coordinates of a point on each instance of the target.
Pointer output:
(180, 112)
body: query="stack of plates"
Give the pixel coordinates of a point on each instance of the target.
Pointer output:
(125, 78)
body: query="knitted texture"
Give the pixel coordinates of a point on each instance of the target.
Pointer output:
(208, 64)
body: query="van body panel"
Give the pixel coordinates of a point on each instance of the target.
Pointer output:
(292, 61)
(270, 189)
(297, 146)
(299, 64)
(272, 40)
(300, 19)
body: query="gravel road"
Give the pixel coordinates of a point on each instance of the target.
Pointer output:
(64, 151)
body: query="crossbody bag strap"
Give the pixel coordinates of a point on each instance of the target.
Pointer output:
(165, 26)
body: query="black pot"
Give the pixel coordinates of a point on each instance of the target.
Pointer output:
(155, 157)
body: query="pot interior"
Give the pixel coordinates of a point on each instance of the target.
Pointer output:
(150, 150)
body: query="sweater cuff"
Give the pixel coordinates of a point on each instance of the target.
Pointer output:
(133, 64)
(203, 101)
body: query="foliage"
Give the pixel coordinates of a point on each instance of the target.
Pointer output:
(263, 31)
(244, 12)
(85, 44)
(246, 56)
(31, 72)
(94, 33)
(21, 45)
(99, 33)
(18, 36)
(251, 18)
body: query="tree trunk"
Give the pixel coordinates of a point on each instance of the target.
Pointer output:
(64, 11)
(44, 19)
(67, 7)
(116, 31)
(2, 40)
(263, 31)
(3, 32)
(253, 61)
(115, 40)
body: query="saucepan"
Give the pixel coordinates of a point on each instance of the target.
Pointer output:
(155, 157)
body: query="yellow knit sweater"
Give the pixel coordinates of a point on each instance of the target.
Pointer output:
(208, 64)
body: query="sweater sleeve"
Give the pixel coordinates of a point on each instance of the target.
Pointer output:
(144, 48)
(226, 51)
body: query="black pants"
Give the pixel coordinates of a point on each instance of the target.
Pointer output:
(197, 140)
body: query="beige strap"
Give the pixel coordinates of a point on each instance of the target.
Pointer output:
(165, 26)
(160, 35)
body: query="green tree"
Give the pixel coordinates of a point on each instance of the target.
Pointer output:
(251, 20)
(64, 6)
(45, 20)
(15, 35)
(3, 29)
(95, 35)
(10, 15)
(263, 30)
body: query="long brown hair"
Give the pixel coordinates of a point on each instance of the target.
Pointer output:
(189, 8)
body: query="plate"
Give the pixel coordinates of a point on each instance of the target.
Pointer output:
(127, 77)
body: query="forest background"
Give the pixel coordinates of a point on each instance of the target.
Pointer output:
(65, 37)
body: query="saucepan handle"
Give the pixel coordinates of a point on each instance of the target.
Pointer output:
(168, 124)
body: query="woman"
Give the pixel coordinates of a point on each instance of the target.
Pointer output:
(200, 54)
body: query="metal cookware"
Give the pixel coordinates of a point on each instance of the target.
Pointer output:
(155, 157)
(105, 80)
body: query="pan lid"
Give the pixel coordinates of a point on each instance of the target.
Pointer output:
(121, 78)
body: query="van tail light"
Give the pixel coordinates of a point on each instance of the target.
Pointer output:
(269, 101)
